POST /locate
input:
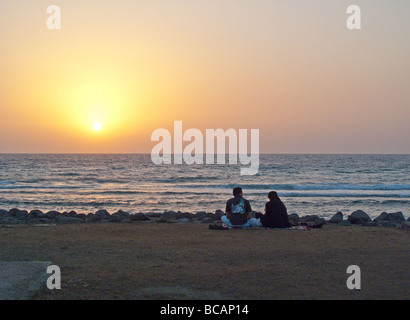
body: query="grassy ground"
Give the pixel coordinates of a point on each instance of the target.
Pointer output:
(151, 260)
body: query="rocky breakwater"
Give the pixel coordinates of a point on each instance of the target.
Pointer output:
(357, 218)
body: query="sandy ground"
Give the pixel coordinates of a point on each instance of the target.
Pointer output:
(155, 261)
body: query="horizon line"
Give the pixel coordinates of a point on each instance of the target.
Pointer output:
(145, 153)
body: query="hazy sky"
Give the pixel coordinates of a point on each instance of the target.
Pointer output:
(290, 68)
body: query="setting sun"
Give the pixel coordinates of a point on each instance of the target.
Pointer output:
(97, 126)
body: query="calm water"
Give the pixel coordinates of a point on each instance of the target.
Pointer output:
(308, 184)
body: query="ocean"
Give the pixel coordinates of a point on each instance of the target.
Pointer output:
(307, 184)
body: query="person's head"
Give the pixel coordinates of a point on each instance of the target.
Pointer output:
(237, 192)
(273, 196)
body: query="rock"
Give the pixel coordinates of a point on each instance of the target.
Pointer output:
(52, 214)
(184, 220)
(8, 220)
(119, 216)
(72, 214)
(169, 215)
(219, 214)
(17, 212)
(185, 215)
(359, 217)
(81, 216)
(116, 218)
(153, 215)
(21, 215)
(405, 225)
(64, 219)
(382, 217)
(313, 220)
(42, 221)
(3, 213)
(345, 223)
(395, 217)
(387, 224)
(337, 218)
(408, 219)
(207, 220)
(102, 214)
(122, 213)
(370, 224)
(200, 215)
(34, 214)
(294, 217)
(139, 217)
(91, 217)
(213, 216)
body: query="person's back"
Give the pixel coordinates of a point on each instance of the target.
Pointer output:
(276, 215)
(238, 211)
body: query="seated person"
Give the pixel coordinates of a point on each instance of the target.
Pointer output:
(276, 215)
(238, 212)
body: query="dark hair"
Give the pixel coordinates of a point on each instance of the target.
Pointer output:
(237, 191)
(273, 196)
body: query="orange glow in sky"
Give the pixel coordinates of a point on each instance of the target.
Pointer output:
(288, 68)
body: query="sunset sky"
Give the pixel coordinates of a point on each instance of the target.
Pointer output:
(289, 68)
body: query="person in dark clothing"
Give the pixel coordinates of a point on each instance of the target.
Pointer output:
(276, 214)
(238, 211)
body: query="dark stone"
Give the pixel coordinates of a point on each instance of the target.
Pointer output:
(408, 219)
(313, 221)
(200, 215)
(153, 214)
(8, 220)
(21, 215)
(169, 215)
(395, 217)
(3, 213)
(294, 217)
(184, 220)
(116, 218)
(14, 212)
(119, 216)
(337, 218)
(102, 214)
(219, 214)
(359, 217)
(213, 216)
(122, 213)
(72, 214)
(370, 224)
(35, 214)
(185, 215)
(345, 223)
(382, 217)
(81, 216)
(42, 220)
(139, 217)
(52, 214)
(64, 219)
(91, 217)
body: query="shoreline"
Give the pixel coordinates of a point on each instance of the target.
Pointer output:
(16, 216)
